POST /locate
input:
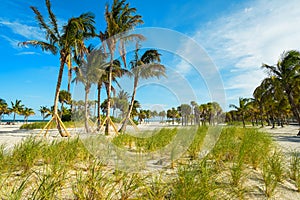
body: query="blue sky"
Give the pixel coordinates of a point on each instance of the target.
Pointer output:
(234, 38)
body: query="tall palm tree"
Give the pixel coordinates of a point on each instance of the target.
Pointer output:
(242, 108)
(71, 36)
(27, 112)
(117, 72)
(144, 67)
(286, 71)
(88, 73)
(120, 19)
(16, 108)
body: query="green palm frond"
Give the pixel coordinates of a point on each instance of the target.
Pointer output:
(52, 19)
(43, 45)
(50, 35)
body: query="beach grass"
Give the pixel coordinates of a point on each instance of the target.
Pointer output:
(41, 169)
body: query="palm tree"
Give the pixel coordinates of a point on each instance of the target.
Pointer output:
(63, 41)
(45, 112)
(172, 114)
(185, 111)
(145, 67)
(64, 97)
(88, 73)
(16, 108)
(3, 108)
(121, 101)
(117, 72)
(286, 71)
(27, 112)
(162, 114)
(242, 108)
(120, 19)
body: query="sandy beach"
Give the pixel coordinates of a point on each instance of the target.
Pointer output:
(286, 136)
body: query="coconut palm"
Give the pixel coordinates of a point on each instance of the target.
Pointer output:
(117, 72)
(162, 114)
(185, 110)
(64, 97)
(121, 101)
(27, 112)
(144, 67)
(120, 19)
(241, 108)
(88, 73)
(3, 108)
(16, 108)
(172, 114)
(45, 112)
(286, 72)
(71, 36)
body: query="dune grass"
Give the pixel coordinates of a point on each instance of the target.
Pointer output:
(40, 125)
(39, 169)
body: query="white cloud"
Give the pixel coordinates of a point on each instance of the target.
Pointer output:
(29, 32)
(12, 42)
(28, 53)
(254, 34)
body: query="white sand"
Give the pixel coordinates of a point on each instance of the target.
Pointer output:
(286, 137)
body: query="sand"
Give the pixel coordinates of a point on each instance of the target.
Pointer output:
(286, 137)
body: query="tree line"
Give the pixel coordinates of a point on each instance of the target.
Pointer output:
(277, 99)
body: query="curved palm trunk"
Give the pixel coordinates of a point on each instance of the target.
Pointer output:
(295, 109)
(123, 128)
(86, 113)
(56, 98)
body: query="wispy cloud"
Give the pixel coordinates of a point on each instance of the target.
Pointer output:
(251, 35)
(24, 30)
(12, 42)
(28, 53)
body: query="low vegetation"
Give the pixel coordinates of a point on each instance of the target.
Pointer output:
(40, 169)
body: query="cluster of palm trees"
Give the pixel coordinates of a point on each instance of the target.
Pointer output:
(97, 66)
(202, 114)
(17, 108)
(277, 99)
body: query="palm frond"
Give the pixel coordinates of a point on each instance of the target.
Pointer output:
(49, 33)
(43, 45)
(52, 19)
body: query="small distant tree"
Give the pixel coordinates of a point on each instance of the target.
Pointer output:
(3, 108)
(16, 108)
(45, 112)
(27, 112)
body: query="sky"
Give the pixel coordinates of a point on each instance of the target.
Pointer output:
(213, 50)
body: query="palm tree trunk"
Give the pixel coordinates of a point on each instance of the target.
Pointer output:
(86, 114)
(69, 79)
(123, 128)
(61, 109)
(99, 104)
(243, 119)
(108, 94)
(14, 117)
(59, 79)
(295, 109)
(261, 116)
